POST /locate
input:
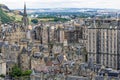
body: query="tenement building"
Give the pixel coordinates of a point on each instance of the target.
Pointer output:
(104, 42)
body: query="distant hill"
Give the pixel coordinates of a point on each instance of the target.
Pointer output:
(4, 17)
(4, 8)
(8, 15)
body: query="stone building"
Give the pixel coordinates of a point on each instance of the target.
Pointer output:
(37, 59)
(13, 33)
(9, 55)
(48, 32)
(40, 33)
(2, 64)
(24, 59)
(73, 34)
(103, 42)
(59, 33)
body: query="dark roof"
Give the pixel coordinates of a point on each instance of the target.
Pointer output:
(60, 58)
(17, 48)
(24, 40)
(46, 59)
(24, 50)
(1, 44)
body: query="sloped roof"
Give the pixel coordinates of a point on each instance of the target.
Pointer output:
(24, 50)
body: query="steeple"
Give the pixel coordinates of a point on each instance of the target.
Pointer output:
(25, 18)
(25, 13)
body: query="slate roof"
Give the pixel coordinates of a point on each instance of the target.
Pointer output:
(1, 44)
(60, 58)
(37, 54)
(24, 50)
(77, 78)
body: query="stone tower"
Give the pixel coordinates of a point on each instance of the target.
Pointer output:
(25, 19)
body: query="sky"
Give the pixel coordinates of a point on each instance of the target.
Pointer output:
(15, 4)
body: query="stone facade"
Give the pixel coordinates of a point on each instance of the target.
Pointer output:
(2, 65)
(103, 42)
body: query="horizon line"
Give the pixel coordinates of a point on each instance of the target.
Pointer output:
(66, 8)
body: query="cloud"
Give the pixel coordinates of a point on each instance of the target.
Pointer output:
(62, 3)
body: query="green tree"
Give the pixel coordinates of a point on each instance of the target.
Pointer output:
(16, 71)
(2, 75)
(35, 21)
(26, 73)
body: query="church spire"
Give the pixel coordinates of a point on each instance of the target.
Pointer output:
(25, 13)
(25, 18)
